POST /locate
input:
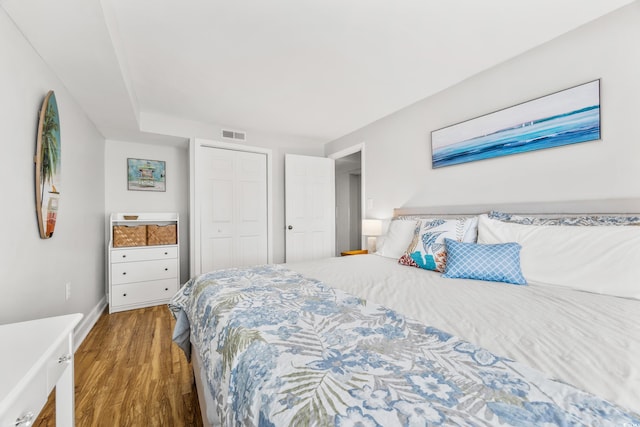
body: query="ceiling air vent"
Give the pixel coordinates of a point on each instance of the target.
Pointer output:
(230, 134)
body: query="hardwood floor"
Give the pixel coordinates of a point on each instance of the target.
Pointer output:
(128, 372)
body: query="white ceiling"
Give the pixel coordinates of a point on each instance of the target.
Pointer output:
(315, 69)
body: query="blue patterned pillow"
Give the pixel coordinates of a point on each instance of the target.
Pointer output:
(427, 250)
(495, 263)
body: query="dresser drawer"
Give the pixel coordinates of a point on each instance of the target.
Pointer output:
(143, 254)
(136, 293)
(128, 272)
(59, 361)
(30, 400)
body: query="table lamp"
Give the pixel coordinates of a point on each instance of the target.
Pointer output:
(371, 228)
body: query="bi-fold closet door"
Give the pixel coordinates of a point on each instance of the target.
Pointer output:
(230, 187)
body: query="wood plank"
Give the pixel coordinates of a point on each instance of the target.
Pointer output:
(128, 372)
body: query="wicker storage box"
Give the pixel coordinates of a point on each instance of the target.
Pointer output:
(161, 234)
(125, 235)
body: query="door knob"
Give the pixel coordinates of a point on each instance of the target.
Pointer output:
(290, 227)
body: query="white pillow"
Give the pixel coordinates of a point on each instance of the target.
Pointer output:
(604, 260)
(395, 242)
(471, 233)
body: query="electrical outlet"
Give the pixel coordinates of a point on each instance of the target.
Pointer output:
(67, 291)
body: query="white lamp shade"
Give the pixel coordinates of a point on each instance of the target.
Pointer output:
(371, 227)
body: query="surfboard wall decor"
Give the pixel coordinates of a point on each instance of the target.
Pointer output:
(47, 160)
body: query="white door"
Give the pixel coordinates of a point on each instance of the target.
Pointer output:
(309, 207)
(232, 188)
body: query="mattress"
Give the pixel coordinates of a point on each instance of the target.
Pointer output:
(587, 340)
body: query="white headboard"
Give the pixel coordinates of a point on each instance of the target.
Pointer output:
(573, 207)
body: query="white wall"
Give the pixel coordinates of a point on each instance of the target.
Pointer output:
(33, 271)
(398, 147)
(174, 199)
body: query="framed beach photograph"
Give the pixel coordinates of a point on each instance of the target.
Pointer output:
(146, 175)
(561, 118)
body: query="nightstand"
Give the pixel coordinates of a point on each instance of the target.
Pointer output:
(354, 252)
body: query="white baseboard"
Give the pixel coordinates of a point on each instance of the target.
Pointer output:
(87, 323)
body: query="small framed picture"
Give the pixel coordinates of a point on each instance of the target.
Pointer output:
(146, 175)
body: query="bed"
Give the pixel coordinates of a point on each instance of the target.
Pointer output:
(364, 340)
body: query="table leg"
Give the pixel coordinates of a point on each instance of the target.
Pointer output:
(65, 398)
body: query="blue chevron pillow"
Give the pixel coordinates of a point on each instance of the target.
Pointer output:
(495, 263)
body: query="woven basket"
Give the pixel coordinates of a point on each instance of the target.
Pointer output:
(161, 234)
(124, 235)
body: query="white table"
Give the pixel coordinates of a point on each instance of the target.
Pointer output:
(36, 356)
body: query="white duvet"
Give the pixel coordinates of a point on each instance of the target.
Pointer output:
(588, 340)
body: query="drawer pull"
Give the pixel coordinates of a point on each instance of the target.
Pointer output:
(124, 256)
(166, 289)
(65, 359)
(124, 273)
(25, 420)
(166, 269)
(166, 253)
(124, 295)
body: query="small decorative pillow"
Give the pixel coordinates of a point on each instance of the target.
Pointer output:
(427, 249)
(494, 263)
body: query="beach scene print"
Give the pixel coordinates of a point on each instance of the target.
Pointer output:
(145, 175)
(566, 117)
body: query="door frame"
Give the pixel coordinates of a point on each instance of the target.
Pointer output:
(195, 146)
(347, 152)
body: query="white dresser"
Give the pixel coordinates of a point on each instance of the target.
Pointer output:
(145, 275)
(37, 355)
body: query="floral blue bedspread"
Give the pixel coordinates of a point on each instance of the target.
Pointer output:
(280, 349)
